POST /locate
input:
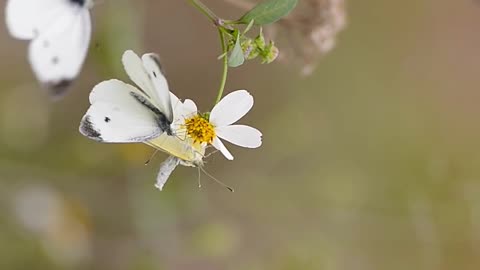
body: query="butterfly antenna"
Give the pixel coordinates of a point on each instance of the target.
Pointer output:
(216, 180)
(211, 153)
(180, 137)
(151, 157)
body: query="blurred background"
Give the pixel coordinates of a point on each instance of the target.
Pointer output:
(370, 162)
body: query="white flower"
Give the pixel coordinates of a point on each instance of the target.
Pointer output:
(194, 131)
(208, 129)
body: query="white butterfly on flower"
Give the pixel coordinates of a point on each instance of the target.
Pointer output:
(122, 113)
(59, 31)
(150, 114)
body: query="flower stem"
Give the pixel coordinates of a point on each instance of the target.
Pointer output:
(225, 66)
(204, 9)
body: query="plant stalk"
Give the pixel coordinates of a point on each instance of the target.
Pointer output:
(204, 9)
(225, 67)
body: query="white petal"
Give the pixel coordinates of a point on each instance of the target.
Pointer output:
(174, 99)
(189, 108)
(221, 147)
(241, 135)
(177, 106)
(231, 108)
(183, 111)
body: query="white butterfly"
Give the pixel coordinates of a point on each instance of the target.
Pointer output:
(150, 114)
(59, 31)
(122, 113)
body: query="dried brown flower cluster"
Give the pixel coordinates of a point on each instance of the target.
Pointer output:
(310, 30)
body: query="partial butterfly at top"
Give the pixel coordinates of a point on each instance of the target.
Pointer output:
(59, 31)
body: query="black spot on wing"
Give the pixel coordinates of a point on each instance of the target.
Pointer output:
(88, 130)
(107, 119)
(162, 121)
(57, 89)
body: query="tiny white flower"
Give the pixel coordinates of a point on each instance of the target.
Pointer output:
(209, 129)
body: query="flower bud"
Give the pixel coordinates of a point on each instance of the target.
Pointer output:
(249, 49)
(270, 53)
(260, 41)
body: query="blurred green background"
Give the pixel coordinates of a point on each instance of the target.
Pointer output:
(372, 162)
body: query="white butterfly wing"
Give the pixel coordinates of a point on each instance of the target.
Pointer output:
(166, 169)
(147, 74)
(59, 51)
(25, 19)
(119, 114)
(152, 65)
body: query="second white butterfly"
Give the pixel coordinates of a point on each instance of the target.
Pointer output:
(59, 31)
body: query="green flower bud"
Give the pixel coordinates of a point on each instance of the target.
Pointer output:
(246, 43)
(249, 49)
(270, 53)
(252, 53)
(260, 41)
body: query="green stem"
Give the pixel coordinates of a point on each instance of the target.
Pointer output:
(204, 9)
(225, 66)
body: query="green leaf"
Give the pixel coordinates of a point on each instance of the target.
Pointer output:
(269, 11)
(236, 57)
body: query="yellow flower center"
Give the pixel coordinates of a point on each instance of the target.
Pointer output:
(199, 129)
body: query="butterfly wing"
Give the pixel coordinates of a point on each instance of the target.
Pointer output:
(147, 74)
(119, 114)
(25, 19)
(58, 53)
(152, 65)
(60, 31)
(166, 169)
